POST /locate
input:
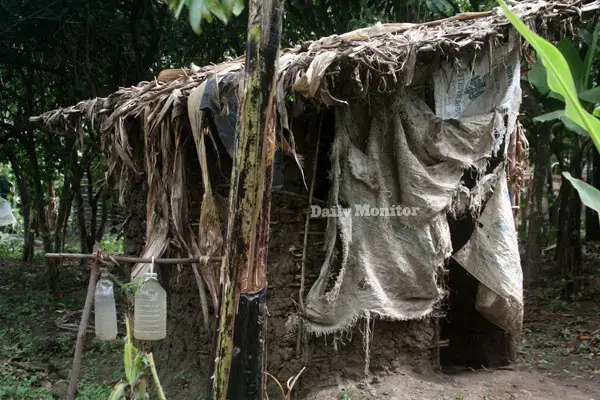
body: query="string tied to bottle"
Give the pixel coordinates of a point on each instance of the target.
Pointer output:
(151, 274)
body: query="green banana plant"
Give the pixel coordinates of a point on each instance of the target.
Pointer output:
(138, 365)
(562, 82)
(587, 92)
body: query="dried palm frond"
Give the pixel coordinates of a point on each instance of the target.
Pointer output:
(181, 215)
(157, 203)
(210, 239)
(517, 164)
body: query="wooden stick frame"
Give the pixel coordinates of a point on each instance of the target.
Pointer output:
(131, 260)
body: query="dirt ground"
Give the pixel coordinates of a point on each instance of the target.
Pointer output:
(486, 385)
(559, 351)
(559, 359)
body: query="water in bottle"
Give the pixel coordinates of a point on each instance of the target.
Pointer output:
(150, 310)
(105, 310)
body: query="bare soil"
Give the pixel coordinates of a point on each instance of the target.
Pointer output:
(486, 385)
(559, 359)
(559, 353)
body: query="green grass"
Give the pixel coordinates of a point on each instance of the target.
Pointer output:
(23, 388)
(111, 244)
(93, 391)
(11, 246)
(557, 305)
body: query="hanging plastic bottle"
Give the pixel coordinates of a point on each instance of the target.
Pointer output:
(105, 309)
(150, 309)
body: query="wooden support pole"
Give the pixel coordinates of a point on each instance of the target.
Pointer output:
(243, 271)
(85, 315)
(301, 335)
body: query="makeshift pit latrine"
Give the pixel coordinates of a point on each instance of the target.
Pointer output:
(425, 117)
(414, 158)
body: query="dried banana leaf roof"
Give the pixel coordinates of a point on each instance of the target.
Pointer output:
(374, 57)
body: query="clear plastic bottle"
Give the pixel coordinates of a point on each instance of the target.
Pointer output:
(150, 310)
(105, 310)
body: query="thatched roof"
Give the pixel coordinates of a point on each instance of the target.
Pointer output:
(375, 57)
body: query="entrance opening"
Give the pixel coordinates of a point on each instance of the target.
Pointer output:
(471, 340)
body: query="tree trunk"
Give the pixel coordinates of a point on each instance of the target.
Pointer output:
(575, 213)
(81, 222)
(23, 189)
(72, 173)
(93, 202)
(52, 271)
(562, 226)
(533, 251)
(552, 202)
(104, 197)
(243, 272)
(592, 224)
(568, 250)
(399, 11)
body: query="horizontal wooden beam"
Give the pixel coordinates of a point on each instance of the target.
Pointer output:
(133, 260)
